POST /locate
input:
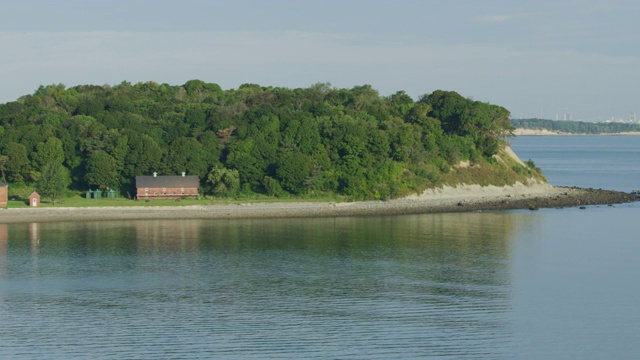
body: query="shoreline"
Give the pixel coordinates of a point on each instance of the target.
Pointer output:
(545, 132)
(466, 198)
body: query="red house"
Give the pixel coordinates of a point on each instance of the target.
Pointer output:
(34, 199)
(4, 194)
(167, 186)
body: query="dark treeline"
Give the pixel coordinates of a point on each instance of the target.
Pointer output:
(574, 127)
(253, 139)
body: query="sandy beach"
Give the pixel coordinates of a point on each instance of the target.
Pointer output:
(447, 199)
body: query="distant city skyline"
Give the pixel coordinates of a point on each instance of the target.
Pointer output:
(574, 57)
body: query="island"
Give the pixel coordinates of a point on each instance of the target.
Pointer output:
(264, 151)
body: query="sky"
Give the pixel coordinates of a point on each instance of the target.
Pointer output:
(543, 58)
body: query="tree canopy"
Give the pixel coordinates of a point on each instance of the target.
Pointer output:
(53, 181)
(253, 139)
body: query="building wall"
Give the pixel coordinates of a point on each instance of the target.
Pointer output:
(3, 196)
(166, 193)
(34, 197)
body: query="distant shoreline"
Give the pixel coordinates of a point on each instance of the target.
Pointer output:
(545, 132)
(465, 198)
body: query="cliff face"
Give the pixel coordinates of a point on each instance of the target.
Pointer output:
(503, 169)
(507, 151)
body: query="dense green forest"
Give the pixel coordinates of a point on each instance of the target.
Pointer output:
(265, 140)
(574, 127)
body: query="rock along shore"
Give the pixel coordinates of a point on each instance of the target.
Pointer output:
(445, 200)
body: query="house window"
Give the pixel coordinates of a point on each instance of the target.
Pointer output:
(182, 190)
(146, 190)
(164, 190)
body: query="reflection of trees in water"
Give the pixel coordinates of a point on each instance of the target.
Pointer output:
(419, 274)
(60, 239)
(4, 244)
(4, 238)
(435, 283)
(457, 237)
(466, 247)
(167, 236)
(451, 233)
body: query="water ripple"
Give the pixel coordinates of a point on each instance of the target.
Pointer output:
(263, 301)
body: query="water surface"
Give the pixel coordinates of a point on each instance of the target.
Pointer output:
(376, 287)
(606, 162)
(549, 284)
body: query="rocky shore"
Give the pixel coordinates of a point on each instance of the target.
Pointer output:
(459, 199)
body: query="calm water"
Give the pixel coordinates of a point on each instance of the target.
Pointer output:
(559, 284)
(607, 162)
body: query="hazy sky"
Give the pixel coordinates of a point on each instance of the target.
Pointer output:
(533, 57)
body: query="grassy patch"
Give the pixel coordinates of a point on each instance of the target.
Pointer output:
(500, 171)
(78, 201)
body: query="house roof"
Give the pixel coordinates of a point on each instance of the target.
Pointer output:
(34, 194)
(167, 181)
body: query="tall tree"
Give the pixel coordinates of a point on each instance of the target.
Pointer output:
(18, 166)
(3, 162)
(224, 181)
(48, 152)
(102, 170)
(293, 168)
(187, 154)
(448, 107)
(54, 179)
(144, 155)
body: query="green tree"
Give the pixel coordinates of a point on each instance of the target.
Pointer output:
(400, 103)
(448, 107)
(49, 152)
(224, 181)
(54, 179)
(272, 186)
(211, 148)
(3, 162)
(320, 138)
(18, 166)
(486, 125)
(144, 155)
(195, 117)
(302, 132)
(293, 169)
(187, 154)
(102, 170)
